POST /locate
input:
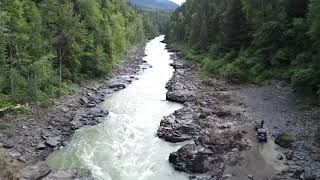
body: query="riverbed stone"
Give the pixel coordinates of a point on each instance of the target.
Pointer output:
(84, 100)
(279, 157)
(53, 141)
(250, 177)
(41, 146)
(289, 155)
(13, 154)
(116, 84)
(6, 145)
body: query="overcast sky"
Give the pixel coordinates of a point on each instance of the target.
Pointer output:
(179, 1)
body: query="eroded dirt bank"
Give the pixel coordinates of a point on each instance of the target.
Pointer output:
(218, 121)
(26, 140)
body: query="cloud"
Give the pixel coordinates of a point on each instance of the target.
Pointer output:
(178, 1)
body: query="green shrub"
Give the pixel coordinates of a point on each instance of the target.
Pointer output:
(284, 140)
(233, 73)
(281, 58)
(302, 59)
(212, 65)
(305, 79)
(5, 101)
(9, 169)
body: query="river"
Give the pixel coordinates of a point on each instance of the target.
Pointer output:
(125, 146)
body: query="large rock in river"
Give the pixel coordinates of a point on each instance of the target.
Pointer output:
(179, 126)
(180, 96)
(42, 171)
(78, 174)
(196, 159)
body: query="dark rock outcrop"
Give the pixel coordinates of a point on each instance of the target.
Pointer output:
(179, 96)
(179, 126)
(209, 155)
(194, 159)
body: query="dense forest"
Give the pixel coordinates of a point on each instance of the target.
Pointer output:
(252, 40)
(158, 17)
(48, 45)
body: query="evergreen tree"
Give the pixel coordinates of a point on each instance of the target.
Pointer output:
(314, 18)
(233, 26)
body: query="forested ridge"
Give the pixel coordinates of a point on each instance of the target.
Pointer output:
(252, 40)
(47, 45)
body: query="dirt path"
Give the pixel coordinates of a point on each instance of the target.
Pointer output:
(259, 161)
(278, 106)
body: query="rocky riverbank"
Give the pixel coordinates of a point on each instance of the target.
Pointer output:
(221, 134)
(27, 140)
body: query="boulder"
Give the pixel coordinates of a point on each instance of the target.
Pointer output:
(53, 141)
(244, 132)
(84, 100)
(91, 105)
(192, 158)
(64, 110)
(279, 157)
(90, 116)
(250, 177)
(177, 65)
(117, 83)
(289, 155)
(179, 96)
(41, 146)
(37, 171)
(6, 145)
(178, 127)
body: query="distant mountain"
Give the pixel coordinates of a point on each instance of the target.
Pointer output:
(157, 4)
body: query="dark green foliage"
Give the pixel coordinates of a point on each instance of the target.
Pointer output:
(160, 18)
(250, 40)
(46, 46)
(284, 140)
(233, 26)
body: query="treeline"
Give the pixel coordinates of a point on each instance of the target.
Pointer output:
(47, 45)
(159, 17)
(253, 40)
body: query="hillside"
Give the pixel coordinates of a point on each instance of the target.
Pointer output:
(158, 4)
